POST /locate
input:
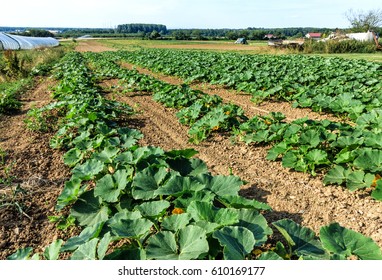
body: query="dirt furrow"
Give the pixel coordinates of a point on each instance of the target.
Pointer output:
(34, 176)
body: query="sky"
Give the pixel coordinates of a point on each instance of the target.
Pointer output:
(181, 13)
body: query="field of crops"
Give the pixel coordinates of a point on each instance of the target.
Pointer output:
(137, 188)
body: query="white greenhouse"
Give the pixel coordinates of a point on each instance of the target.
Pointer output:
(16, 42)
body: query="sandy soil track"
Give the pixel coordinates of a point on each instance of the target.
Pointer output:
(38, 170)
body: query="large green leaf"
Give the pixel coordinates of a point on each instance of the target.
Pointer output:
(21, 254)
(88, 233)
(176, 222)
(237, 241)
(147, 182)
(336, 175)
(185, 200)
(178, 185)
(189, 243)
(103, 245)
(192, 242)
(186, 153)
(69, 194)
(346, 155)
(225, 185)
(129, 137)
(153, 209)
(373, 140)
(343, 241)
(86, 251)
(130, 228)
(317, 157)
(88, 210)
(370, 160)
(53, 250)
(204, 211)
(109, 187)
(107, 155)
(88, 170)
(209, 227)
(256, 223)
(279, 149)
(359, 180)
(130, 253)
(347, 141)
(310, 137)
(302, 240)
(73, 156)
(162, 246)
(145, 153)
(294, 159)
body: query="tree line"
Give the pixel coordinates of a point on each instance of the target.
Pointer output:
(141, 27)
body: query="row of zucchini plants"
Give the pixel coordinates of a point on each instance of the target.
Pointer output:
(203, 113)
(335, 85)
(137, 202)
(349, 155)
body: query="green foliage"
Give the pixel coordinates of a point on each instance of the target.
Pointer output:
(15, 198)
(10, 93)
(335, 242)
(14, 66)
(339, 86)
(344, 46)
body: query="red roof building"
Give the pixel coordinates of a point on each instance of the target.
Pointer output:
(269, 36)
(313, 35)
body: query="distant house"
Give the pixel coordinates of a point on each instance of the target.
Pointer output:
(313, 35)
(270, 36)
(242, 41)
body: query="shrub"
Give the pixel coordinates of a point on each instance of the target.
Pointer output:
(344, 46)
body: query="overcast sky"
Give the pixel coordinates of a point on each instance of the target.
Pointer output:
(181, 13)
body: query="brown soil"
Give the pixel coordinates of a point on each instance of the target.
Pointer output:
(40, 174)
(91, 46)
(39, 170)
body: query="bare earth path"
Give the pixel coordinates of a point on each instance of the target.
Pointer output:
(39, 172)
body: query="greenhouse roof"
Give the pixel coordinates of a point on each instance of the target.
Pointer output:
(16, 42)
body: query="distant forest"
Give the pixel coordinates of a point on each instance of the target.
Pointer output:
(141, 27)
(160, 31)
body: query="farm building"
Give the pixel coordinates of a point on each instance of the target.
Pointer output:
(365, 36)
(270, 36)
(16, 42)
(314, 36)
(242, 41)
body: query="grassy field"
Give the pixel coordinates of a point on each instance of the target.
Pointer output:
(254, 47)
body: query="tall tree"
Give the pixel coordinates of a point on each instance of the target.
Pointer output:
(364, 20)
